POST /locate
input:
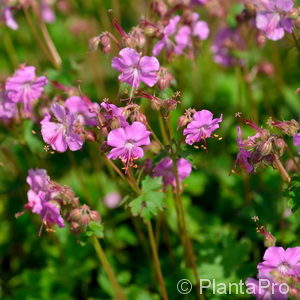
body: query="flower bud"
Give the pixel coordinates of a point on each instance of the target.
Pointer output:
(164, 79)
(138, 116)
(102, 41)
(265, 147)
(90, 135)
(156, 103)
(159, 7)
(115, 123)
(266, 68)
(280, 145)
(170, 104)
(182, 121)
(135, 38)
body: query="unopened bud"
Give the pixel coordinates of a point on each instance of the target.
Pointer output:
(183, 121)
(135, 38)
(164, 79)
(102, 41)
(261, 39)
(90, 135)
(170, 104)
(266, 68)
(280, 145)
(265, 147)
(115, 123)
(139, 117)
(159, 7)
(156, 103)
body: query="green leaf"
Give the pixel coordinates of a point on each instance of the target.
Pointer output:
(151, 201)
(292, 193)
(95, 228)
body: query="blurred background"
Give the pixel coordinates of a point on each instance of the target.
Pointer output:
(219, 204)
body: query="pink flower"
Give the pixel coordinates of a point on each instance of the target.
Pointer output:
(40, 198)
(165, 41)
(84, 108)
(8, 109)
(296, 139)
(183, 38)
(285, 262)
(272, 18)
(135, 68)
(266, 289)
(47, 12)
(127, 142)
(9, 20)
(62, 134)
(165, 169)
(24, 87)
(201, 127)
(112, 200)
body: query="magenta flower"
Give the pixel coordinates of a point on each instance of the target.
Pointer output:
(8, 109)
(199, 2)
(296, 139)
(24, 87)
(266, 289)
(185, 35)
(244, 155)
(8, 18)
(225, 42)
(272, 18)
(84, 109)
(127, 142)
(62, 134)
(47, 12)
(135, 68)
(285, 262)
(165, 41)
(165, 169)
(201, 127)
(40, 198)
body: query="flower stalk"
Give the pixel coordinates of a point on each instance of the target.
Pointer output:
(108, 269)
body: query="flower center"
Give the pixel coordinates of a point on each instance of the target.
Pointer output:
(129, 144)
(284, 267)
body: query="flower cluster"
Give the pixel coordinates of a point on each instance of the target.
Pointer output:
(264, 147)
(56, 204)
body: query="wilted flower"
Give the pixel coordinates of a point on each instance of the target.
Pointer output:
(272, 18)
(24, 87)
(127, 142)
(201, 127)
(165, 169)
(62, 134)
(135, 68)
(165, 41)
(285, 262)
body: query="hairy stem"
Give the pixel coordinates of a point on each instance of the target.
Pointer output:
(156, 262)
(189, 251)
(108, 269)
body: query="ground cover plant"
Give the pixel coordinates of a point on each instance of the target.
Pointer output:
(149, 149)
